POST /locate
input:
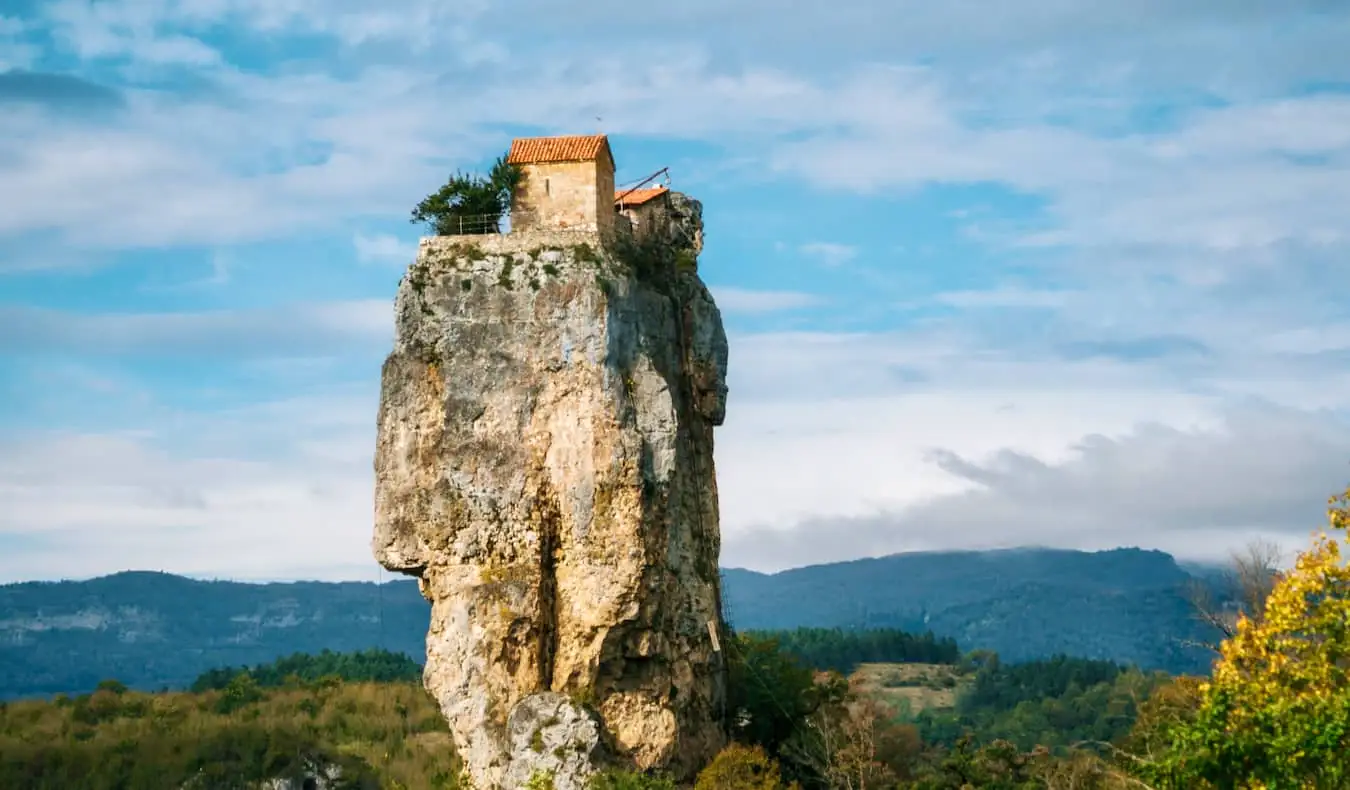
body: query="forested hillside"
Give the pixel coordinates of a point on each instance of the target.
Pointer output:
(1125, 605)
(155, 630)
(322, 717)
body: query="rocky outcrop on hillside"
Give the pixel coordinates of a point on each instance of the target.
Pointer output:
(544, 467)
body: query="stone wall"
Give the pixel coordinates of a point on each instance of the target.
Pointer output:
(564, 195)
(604, 195)
(648, 218)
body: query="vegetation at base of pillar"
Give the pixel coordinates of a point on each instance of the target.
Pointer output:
(1054, 703)
(367, 735)
(377, 666)
(844, 649)
(1012, 726)
(470, 204)
(740, 767)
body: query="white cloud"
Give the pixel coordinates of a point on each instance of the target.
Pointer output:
(744, 300)
(252, 493)
(1224, 180)
(1138, 38)
(94, 30)
(834, 446)
(1309, 340)
(1200, 494)
(858, 442)
(826, 454)
(217, 276)
(1004, 297)
(137, 30)
(334, 149)
(830, 253)
(314, 328)
(383, 248)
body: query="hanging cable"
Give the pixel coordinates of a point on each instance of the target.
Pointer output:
(638, 185)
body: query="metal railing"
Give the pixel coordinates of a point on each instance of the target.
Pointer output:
(473, 225)
(485, 224)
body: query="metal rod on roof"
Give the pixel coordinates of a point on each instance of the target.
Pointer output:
(650, 177)
(633, 189)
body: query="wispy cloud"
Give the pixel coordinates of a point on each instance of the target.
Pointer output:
(299, 328)
(1004, 297)
(830, 253)
(1261, 472)
(383, 248)
(273, 498)
(744, 300)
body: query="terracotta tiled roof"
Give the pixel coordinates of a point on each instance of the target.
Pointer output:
(637, 197)
(572, 148)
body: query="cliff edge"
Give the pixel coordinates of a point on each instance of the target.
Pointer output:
(544, 467)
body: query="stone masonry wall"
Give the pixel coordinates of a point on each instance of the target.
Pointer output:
(564, 195)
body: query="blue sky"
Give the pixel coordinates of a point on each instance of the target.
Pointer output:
(995, 274)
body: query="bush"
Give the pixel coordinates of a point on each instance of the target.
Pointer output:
(391, 736)
(628, 780)
(241, 691)
(740, 767)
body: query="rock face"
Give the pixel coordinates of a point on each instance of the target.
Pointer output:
(544, 466)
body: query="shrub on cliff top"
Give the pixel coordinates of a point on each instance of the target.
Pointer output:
(470, 204)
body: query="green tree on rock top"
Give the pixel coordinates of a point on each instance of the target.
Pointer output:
(470, 204)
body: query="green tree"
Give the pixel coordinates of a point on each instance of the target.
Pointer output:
(298, 669)
(470, 204)
(242, 690)
(998, 766)
(772, 692)
(773, 699)
(844, 649)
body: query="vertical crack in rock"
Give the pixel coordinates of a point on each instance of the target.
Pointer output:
(544, 466)
(548, 587)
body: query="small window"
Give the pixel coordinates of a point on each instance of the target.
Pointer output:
(546, 190)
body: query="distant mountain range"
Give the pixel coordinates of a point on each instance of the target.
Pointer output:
(1126, 605)
(156, 630)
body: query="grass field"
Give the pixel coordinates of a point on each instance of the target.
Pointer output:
(910, 688)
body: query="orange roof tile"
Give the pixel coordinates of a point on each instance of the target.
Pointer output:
(637, 197)
(571, 148)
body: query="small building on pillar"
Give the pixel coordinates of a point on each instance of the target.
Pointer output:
(646, 210)
(568, 184)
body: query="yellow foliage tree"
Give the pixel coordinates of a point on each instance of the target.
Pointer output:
(1276, 713)
(740, 767)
